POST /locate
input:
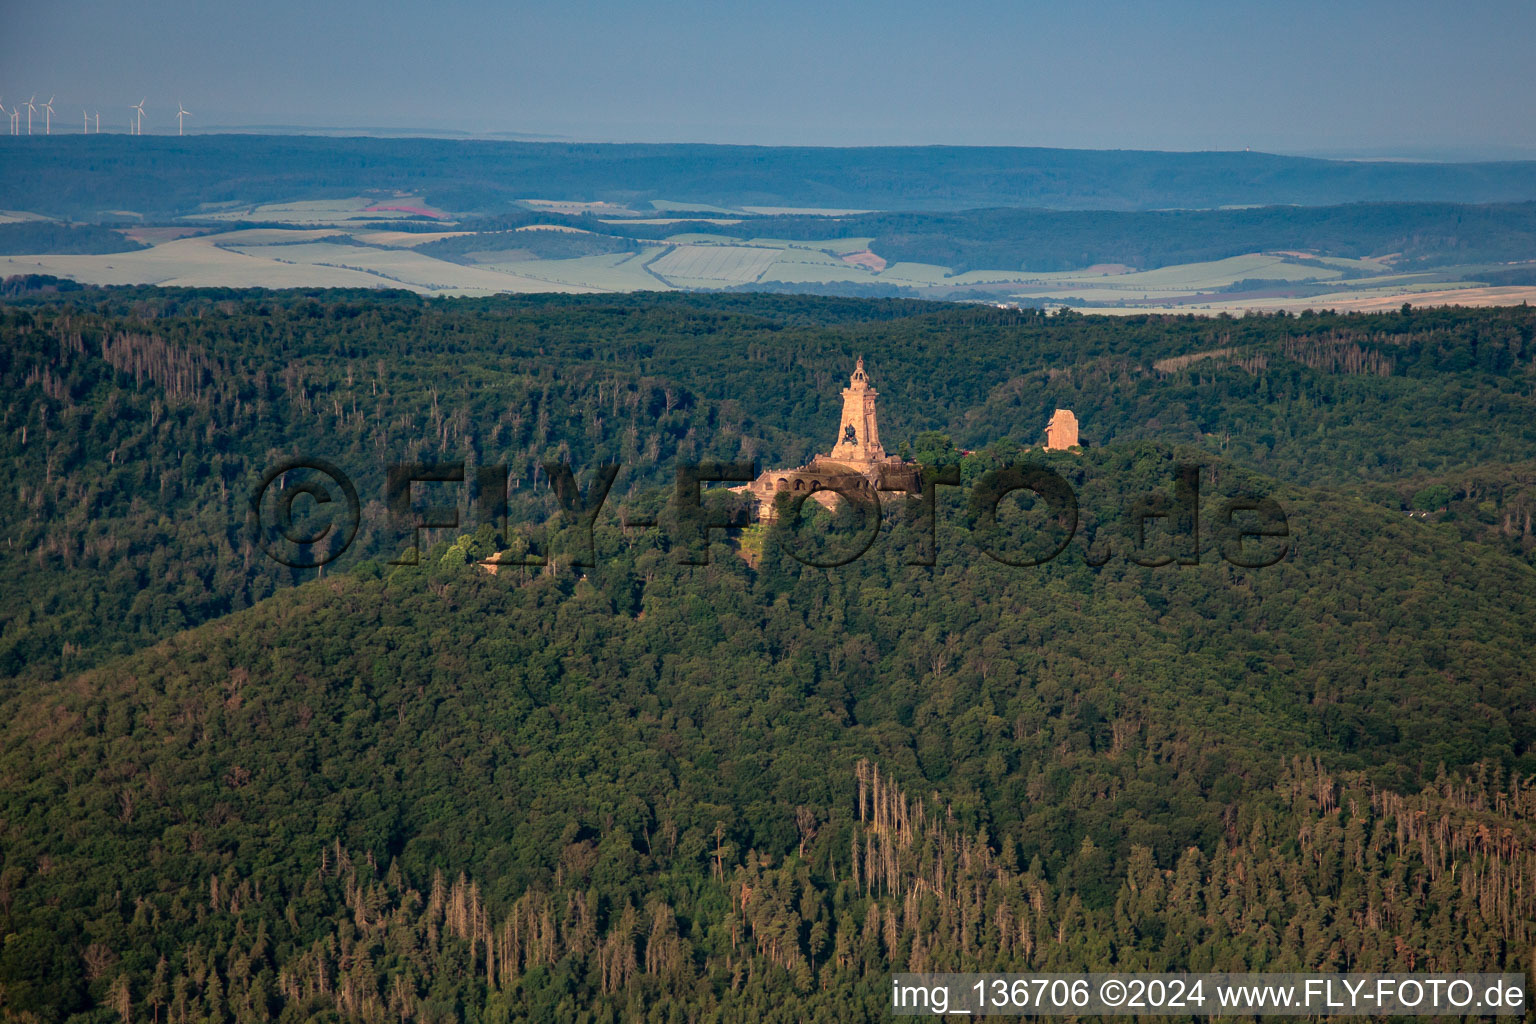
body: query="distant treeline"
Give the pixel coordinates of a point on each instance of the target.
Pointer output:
(46, 236)
(82, 177)
(1432, 234)
(1052, 240)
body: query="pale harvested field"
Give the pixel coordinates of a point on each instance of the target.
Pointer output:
(323, 211)
(1345, 302)
(154, 236)
(701, 238)
(833, 245)
(802, 211)
(714, 264)
(1080, 296)
(672, 220)
(609, 272)
(299, 257)
(190, 262)
(403, 239)
(920, 274)
(812, 266)
(1183, 276)
(562, 228)
(406, 267)
(794, 272)
(865, 260)
(268, 236)
(1488, 296)
(814, 257)
(1004, 277)
(574, 209)
(1219, 273)
(668, 206)
(210, 261)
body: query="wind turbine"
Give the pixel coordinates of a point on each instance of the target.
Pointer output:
(2, 110)
(85, 122)
(181, 112)
(139, 106)
(30, 111)
(48, 117)
(98, 122)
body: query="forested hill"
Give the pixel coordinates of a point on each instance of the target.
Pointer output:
(82, 177)
(754, 792)
(142, 419)
(748, 790)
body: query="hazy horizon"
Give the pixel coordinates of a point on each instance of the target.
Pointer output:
(1375, 81)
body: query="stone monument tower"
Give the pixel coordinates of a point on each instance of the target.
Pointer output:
(1061, 432)
(858, 437)
(856, 463)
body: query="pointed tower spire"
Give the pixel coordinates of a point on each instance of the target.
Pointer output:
(858, 435)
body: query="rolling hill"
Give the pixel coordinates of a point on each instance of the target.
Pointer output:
(80, 178)
(749, 789)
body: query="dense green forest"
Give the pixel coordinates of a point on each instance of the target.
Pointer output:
(749, 789)
(78, 177)
(33, 236)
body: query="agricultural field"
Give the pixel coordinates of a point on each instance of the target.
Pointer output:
(838, 246)
(1216, 274)
(714, 266)
(340, 243)
(405, 239)
(189, 262)
(355, 209)
(576, 209)
(669, 206)
(722, 221)
(403, 267)
(1362, 300)
(802, 211)
(610, 272)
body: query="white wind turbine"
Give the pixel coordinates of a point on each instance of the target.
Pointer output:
(85, 122)
(2, 111)
(98, 122)
(30, 111)
(181, 112)
(139, 106)
(48, 116)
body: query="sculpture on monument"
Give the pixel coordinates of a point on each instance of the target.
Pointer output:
(856, 462)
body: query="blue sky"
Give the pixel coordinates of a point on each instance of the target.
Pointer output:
(1346, 78)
